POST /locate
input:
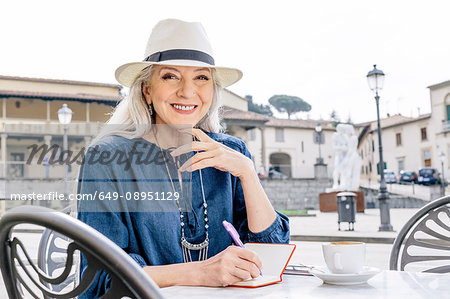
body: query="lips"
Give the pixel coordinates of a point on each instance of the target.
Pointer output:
(185, 109)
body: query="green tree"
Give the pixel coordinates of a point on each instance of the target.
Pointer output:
(258, 108)
(335, 119)
(289, 104)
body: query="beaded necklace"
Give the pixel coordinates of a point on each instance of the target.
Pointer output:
(185, 245)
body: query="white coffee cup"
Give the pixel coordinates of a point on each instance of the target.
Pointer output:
(344, 257)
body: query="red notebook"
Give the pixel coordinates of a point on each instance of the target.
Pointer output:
(274, 257)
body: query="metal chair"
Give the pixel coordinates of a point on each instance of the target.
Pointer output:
(127, 278)
(52, 255)
(424, 241)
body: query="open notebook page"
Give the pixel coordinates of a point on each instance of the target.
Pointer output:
(274, 257)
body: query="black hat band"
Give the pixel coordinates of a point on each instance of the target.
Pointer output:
(181, 54)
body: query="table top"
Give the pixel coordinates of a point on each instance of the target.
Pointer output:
(386, 284)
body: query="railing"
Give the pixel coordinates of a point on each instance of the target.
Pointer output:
(412, 190)
(42, 127)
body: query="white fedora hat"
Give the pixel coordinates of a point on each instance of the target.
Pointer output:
(175, 42)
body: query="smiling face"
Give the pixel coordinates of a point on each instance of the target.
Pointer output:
(179, 94)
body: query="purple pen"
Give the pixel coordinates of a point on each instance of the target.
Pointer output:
(234, 235)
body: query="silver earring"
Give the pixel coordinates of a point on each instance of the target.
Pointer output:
(150, 109)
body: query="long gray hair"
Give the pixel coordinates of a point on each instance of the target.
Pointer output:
(131, 117)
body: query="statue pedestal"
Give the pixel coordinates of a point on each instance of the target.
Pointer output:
(320, 171)
(328, 201)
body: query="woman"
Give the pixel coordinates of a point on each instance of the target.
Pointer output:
(212, 174)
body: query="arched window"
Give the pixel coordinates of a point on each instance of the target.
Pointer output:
(281, 163)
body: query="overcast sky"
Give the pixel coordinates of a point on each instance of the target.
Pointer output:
(320, 51)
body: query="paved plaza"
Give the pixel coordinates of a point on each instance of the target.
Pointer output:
(324, 226)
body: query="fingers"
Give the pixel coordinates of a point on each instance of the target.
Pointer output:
(240, 263)
(250, 256)
(206, 162)
(187, 148)
(232, 265)
(246, 259)
(222, 157)
(201, 135)
(241, 274)
(248, 267)
(197, 133)
(194, 146)
(218, 159)
(195, 159)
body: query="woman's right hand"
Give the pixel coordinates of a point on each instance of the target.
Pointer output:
(232, 265)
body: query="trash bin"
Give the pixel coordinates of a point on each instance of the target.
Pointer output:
(346, 208)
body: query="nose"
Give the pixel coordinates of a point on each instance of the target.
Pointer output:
(187, 89)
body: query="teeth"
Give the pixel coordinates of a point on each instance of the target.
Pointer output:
(183, 107)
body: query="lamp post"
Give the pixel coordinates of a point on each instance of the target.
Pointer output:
(375, 79)
(442, 156)
(319, 141)
(65, 117)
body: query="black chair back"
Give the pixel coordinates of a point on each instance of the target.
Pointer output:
(127, 278)
(424, 241)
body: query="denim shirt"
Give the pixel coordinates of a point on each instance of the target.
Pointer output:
(149, 229)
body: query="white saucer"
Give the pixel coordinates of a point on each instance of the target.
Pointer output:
(344, 279)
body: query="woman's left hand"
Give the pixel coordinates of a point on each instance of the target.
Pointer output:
(213, 154)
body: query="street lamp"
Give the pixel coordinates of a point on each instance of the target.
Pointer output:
(65, 116)
(319, 140)
(375, 79)
(442, 156)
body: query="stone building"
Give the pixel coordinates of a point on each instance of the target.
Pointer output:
(410, 143)
(287, 144)
(407, 145)
(291, 147)
(29, 109)
(440, 121)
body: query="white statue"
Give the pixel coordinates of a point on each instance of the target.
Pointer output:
(347, 162)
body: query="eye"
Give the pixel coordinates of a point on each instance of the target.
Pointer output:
(169, 76)
(203, 77)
